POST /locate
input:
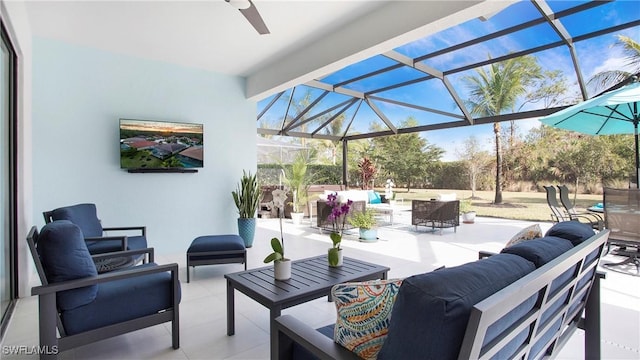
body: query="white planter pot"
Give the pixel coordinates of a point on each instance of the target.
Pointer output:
(469, 217)
(297, 218)
(339, 263)
(368, 235)
(282, 269)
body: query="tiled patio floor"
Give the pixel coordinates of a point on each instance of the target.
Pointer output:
(405, 251)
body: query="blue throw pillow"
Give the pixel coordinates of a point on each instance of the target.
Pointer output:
(374, 197)
(64, 256)
(540, 251)
(432, 310)
(574, 231)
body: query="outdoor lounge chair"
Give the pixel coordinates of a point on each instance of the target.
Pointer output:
(557, 215)
(622, 218)
(86, 217)
(595, 220)
(77, 306)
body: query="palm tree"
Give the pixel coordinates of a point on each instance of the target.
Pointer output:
(606, 79)
(495, 89)
(334, 129)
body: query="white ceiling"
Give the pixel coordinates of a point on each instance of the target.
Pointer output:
(308, 38)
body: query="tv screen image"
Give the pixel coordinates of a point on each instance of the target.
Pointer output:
(152, 145)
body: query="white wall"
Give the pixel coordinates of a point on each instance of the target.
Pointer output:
(14, 16)
(79, 93)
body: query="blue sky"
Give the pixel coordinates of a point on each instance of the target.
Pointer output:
(594, 55)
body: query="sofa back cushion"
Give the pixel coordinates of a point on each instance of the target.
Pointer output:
(83, 215)
(540, 251)
(431, 312)
(64, 256)
(573, 231)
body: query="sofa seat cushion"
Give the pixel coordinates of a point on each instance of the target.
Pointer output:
(300, 353)
(64, 257)
(364, 310)
(122, 300)
(432, 310)
(540, 251)
(574, 231)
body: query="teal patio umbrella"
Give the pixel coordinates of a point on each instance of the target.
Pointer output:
(612, 112)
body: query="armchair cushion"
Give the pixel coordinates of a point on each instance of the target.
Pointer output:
(137, 242)
(364, 311)
(574, 231)
(540, 251)
(432, 310)
(122, 300)
(83, 215)
(64, 256)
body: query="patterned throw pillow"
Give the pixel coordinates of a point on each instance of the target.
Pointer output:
(364, 311)
(528, 233)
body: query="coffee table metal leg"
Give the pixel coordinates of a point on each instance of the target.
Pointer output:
(274, 313)
(230, 309)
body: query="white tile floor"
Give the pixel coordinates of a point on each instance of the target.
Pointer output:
(406, 252)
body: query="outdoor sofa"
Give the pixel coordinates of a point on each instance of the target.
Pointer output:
(522, 303)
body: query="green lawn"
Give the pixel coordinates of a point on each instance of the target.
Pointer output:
(516, 205)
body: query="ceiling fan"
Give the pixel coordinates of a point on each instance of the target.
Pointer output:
(249, 10)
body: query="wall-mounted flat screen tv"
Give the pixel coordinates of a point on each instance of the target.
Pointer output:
(160, 145)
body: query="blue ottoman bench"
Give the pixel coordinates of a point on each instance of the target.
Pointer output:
(216, 249)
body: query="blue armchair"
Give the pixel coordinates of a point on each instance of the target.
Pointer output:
(86, 217)
(86, 307)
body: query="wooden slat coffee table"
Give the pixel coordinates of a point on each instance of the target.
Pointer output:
(311, 278)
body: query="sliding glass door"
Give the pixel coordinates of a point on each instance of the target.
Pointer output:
(8, 122)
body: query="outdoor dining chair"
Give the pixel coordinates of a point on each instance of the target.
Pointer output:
(593, 219)
(622, 218)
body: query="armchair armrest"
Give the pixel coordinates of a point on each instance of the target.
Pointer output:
(291, 330)
(590, 218)
(485, 254)
(149, 251)
(105, 277)
(122, 238)
(143, 229)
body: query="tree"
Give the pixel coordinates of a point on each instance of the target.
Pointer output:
(495, 89)
(475, 159)
(368, 172)
(631, 51)
(334, 128)
(406, 157)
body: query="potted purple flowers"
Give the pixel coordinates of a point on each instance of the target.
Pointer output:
(338, 219)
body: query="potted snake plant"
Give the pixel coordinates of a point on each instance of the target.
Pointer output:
(247, 198)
